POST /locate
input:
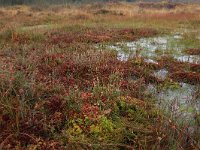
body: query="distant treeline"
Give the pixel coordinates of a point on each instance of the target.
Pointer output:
(19, 2)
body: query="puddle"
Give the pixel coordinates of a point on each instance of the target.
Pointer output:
(189, 58)
(177, 36)
(150, 61)
(180, 101)
(161, 74)
(153, 48)
(122, 56)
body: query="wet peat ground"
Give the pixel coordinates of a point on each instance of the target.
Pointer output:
(89, 87)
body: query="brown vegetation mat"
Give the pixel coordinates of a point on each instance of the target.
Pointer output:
(188, 77)
(174, 65)
(181, 71)
(98, 35)
(50, 83)
(193, 51)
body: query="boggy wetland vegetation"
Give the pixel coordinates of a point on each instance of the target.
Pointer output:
(100, 76)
